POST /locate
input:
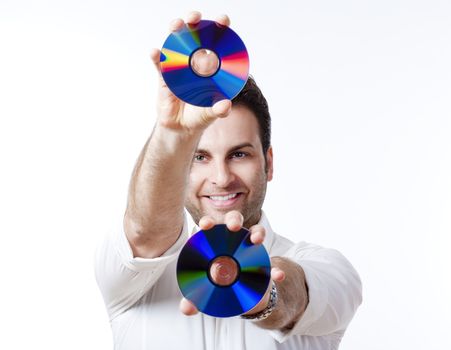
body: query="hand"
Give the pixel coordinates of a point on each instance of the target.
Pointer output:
(277, 275)
(234, 221)
(176, 114)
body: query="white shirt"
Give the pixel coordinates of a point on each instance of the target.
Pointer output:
(142, 299)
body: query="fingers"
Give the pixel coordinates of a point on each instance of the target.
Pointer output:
(187, 307)
(155, 57)
(234, 220)
(277, 274)
(193, 17)
(206, 223)
(223, 20)
(258, 233)
(176, 24)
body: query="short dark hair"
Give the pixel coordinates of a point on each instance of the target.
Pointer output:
(252, 98)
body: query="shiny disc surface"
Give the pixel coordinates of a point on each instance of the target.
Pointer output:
(176, 63)
(196, 284)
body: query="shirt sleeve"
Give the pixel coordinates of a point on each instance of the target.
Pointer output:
(335, 291)
(124, 279)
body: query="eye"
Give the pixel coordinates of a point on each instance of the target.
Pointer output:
(238, 154)
(199, 157)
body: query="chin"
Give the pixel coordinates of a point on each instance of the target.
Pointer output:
(217, 214)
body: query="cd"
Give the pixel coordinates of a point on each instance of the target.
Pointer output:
(222, 272)
(222, 74)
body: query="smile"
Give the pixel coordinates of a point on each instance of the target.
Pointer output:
(225, 200)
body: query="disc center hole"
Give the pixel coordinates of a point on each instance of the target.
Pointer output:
(204, 62)
(223, 270)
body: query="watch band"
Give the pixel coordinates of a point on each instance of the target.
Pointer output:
(264, 314)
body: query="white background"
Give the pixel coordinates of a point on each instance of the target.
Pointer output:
(360, 98)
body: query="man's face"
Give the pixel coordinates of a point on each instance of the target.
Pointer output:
(228, 170)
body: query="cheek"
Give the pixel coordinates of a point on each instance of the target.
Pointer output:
(194, 182)
(250, 173)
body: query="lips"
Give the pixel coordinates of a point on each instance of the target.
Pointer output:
(224, 200)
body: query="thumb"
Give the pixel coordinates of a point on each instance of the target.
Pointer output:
(221, 109)
(187, 307)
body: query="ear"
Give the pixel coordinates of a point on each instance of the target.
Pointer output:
(269, 163)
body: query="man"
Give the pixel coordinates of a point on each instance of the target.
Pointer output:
(216, 162)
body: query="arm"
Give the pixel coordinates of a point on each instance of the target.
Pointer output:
(288, 276)
(154, 216)
(319, 292)
(292, 295)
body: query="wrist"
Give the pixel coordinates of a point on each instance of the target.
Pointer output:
(169, 126)
(175, 139)
(264, 313)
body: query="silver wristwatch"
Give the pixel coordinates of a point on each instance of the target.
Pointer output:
(264, 314)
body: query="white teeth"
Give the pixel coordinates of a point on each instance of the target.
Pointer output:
(224, 198)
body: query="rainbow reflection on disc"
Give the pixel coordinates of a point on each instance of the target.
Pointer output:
(224, 83)
(247, 289)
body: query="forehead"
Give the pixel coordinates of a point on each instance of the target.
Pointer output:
(240, 126)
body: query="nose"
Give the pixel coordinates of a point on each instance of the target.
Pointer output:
(222, 175)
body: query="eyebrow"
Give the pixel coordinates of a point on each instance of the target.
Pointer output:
(234, 148)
